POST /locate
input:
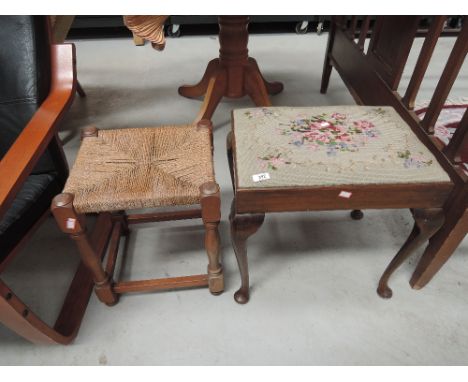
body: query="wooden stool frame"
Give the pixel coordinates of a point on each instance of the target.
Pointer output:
(250, 205)
(111, 227)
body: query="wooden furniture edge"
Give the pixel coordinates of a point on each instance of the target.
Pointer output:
(24, 154)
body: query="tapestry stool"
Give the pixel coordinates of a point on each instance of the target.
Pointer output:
(285, 159)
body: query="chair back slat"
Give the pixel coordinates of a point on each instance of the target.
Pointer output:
(364, 29)
(448, 77)
(457, 149)
(424, 58)
(352, 29)
(390, 45)
(340, 21)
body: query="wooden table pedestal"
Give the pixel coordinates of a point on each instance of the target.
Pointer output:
(234, 74)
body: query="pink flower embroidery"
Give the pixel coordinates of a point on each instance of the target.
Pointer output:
(277, 161)
(315, 126)
(322, 138)
(364, 124)
(273, 161)
(338, 116)
(309, 135)
(334, 133)
(345, 137)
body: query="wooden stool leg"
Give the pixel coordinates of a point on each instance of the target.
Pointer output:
(73, 224)
(427, 222)
(242, 227)
(211, 214)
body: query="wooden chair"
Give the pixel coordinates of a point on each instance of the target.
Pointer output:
(333, 158)
(38, 82)
(373, 76)
(128, 169)
(448, 238)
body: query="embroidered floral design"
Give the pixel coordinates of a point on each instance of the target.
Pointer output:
(273, 161)
(335, 132)
(448, 120)
(379, 111)
(288, 138)
(260, 113)
(413, 160)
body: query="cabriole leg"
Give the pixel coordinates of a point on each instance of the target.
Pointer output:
(242, 227)
(427, 222)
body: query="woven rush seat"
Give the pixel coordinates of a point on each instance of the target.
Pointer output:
(139, 168)
(135, 168)
(328, 146)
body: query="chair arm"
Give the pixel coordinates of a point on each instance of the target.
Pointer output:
(25, 152)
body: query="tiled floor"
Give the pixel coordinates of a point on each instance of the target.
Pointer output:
(313, 275)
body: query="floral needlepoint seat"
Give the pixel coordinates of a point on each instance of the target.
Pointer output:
(353, 158)
(329, 146)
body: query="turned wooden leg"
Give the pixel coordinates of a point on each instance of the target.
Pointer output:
(214, 93)
(121, 218)
(427, 222)
(356, 214)
(74, 225)
(441, 247)
(211, 214)
(242, 227)
(89, 131)
(273, 88)
(194, 91)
